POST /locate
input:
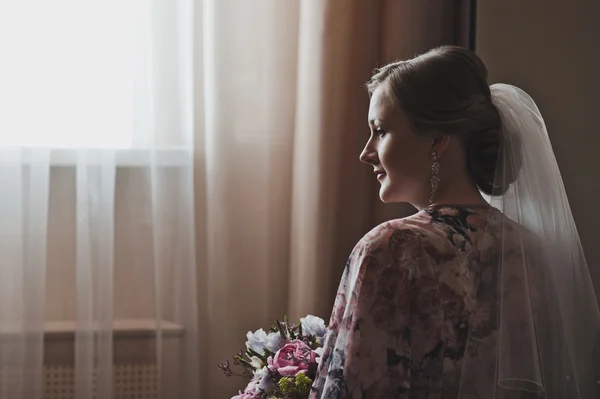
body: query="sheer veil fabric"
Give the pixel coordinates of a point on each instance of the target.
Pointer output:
(546, 340)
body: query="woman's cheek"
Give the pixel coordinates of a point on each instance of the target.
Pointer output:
(389, 155)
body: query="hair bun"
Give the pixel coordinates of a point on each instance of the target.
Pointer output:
(484, 158)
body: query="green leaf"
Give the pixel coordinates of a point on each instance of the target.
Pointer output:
(255, 353)
(268, 353)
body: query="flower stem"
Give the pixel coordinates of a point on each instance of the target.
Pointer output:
(244, 363)
(282, 331)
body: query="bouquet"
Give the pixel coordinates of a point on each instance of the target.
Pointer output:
(282, 363)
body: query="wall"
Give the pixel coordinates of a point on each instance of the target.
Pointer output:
(551, 48)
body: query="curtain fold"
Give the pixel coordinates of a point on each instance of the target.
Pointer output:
(24, 178)
(249, 60)
(94, 192)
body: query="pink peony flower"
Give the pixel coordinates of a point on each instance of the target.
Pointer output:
(293, 358)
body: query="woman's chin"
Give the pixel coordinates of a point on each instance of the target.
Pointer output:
(389, 196)
(385, 196)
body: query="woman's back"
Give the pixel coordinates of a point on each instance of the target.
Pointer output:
(406, 306)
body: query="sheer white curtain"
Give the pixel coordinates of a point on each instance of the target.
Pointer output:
(97, 204)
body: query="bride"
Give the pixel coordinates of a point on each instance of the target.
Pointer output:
(485, 291)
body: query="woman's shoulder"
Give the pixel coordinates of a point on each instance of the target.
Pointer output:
(399, 234)
(402, 245)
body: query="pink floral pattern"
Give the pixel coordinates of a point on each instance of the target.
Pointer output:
(404, 308)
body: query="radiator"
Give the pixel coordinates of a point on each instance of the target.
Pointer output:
(131, 381)
(134, 348)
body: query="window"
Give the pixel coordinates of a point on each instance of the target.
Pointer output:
(66, 73)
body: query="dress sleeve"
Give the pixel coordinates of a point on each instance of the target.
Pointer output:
(395, 298)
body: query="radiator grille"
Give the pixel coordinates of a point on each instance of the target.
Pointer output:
(131, 381)
(136, 374)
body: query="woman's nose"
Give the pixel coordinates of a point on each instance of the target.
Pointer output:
(368, 155)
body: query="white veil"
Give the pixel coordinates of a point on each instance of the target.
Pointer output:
(546, 338)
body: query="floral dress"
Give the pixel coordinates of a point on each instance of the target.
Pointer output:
(404, 308)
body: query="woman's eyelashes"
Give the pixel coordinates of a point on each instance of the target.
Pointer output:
(379, 132)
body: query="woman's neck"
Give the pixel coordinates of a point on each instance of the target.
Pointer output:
(460, 192)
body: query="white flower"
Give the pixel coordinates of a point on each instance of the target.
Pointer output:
(313, 325)
(257, 341)
(261, 373)
(263, 380)
(319, 352)
(256, 362)
(274, 341)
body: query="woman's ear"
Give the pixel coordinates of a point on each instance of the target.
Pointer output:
(440, 143)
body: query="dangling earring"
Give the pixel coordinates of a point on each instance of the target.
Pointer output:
(435, 178)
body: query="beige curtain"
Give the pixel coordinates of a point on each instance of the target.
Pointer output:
(281, 195)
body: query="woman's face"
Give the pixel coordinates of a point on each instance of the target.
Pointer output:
(400, 158)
